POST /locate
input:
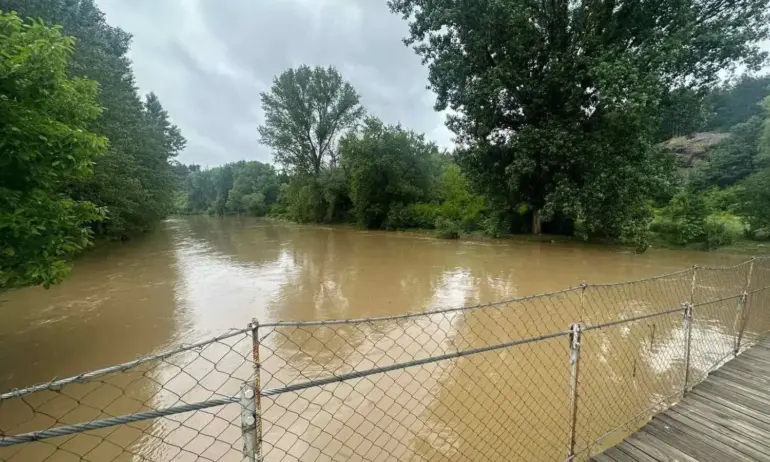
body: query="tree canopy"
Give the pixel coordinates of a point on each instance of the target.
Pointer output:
(131, 180)
(388, 166)
(306, 110)
(555, 103)
(45, 145)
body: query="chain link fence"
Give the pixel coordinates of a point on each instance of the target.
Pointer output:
(555, 376)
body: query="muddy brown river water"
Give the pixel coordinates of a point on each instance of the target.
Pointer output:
(199, 276)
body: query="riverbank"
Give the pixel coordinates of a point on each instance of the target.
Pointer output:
(741, 246)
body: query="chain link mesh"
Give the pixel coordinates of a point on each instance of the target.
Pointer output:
(488, 382)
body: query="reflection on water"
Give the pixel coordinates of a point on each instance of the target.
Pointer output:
(198, 276)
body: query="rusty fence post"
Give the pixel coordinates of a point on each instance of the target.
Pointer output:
(743, 310)
(574, 368)
(257, 390)
(687, 341)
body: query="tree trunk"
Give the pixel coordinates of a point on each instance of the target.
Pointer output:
(536, 222)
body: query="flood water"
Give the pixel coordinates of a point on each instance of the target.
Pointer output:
(199, 276)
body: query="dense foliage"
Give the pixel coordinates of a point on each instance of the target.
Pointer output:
(559, 109)
(305, 111)
(240, 187)
(389, 168)
(726, 196)
(131, 181)
(45, 146)
(556, 104)
(78, 163)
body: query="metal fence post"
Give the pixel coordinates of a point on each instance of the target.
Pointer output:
(740, 320)
(574, 368)
(257, 388)
(249, 422)
(742, 315)
(692, 284)
(688, 339)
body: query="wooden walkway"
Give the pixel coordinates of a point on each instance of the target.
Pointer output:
(724, 418)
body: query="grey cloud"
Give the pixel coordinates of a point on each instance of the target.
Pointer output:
(208, 60)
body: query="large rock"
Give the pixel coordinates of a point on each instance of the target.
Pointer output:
(691, 149)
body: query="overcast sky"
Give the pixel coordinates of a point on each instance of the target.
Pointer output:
(208, 61)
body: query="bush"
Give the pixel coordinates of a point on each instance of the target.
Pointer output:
(683, 220)
(399, 217)
(424, 215)
(717, 234)
(447, 229)
(495, 225)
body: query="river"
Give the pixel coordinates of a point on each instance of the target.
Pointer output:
(199, 276)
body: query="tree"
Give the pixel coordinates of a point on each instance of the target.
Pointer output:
(255, 187)
(754, 190)
(129, 181)
(387, 165)
(305, 112)
(45, 144)
(555, 104)
(735, 157)
(241, 187)
(161, 144)
(738, 101)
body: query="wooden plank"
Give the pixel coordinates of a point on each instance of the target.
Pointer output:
(728, 422)
(683, 442)
(707, 440)
(635, 454)
(754, 359)
(710, 400)
(734, 396)
(656, 448)
(745, 366)
(725, 417)
(743, 375)
(602, 458)
(614, 455)
(723, 435)
(740, 387)
(759, 353)
(744, 381)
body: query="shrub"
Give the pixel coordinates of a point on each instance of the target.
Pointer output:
(447, 229)
(683, 220)
(399, 217)
(717, 234)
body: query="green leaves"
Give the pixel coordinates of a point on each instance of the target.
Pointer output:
(556, 105)
(386, 165)
(305, 111)
(240, 187)
(46, 144)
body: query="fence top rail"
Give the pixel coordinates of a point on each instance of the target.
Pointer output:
(418, 314)
(55, 382)
(84, 377)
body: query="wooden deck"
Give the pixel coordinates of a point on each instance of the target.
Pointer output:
(724, 418)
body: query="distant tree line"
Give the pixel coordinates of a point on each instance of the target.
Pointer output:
(83, 155)
(558, 111)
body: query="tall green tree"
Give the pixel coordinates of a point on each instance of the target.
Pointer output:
(45, 144)
(306, 110)
(555, 104)
(388, 166)
(128, 181)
